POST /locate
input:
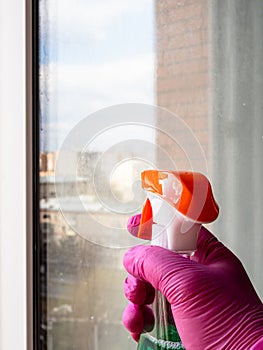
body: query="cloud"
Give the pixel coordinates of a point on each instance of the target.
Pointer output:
(121, 81)
(91, 17)
(103, 76)
(74, 91)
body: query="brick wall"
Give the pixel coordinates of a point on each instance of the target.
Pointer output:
(182, 73)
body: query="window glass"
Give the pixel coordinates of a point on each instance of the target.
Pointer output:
(129, 85)
(92, 55)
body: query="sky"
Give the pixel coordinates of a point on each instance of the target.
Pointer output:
(93, 54)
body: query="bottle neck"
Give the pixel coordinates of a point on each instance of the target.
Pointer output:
(182, 235)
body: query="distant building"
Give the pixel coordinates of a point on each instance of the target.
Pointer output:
(51, 185)
(47, 162)
(182, 74)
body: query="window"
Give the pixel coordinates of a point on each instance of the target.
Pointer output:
(126, 86)
(190, 70)
(102, 86)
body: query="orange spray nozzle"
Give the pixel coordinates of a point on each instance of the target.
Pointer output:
(190, 193)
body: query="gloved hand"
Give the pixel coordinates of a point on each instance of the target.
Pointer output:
(213, 302)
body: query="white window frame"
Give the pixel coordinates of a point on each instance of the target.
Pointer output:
(15, 176)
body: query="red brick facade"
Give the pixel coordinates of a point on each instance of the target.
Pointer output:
(182, 75)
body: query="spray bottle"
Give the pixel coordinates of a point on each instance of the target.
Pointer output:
(177, 204)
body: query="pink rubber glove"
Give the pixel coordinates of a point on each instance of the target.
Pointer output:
(213, 302)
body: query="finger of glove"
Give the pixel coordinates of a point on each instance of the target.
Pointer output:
(148, 318)
(133, 224)
(210, 250)
(138, 319)
(158, 266)
(137, 291)
(135, 336)
(132, 318)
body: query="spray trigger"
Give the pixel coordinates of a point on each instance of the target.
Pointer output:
(146, 222)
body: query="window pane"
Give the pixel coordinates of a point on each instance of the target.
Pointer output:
(92, 55)
(126, 86)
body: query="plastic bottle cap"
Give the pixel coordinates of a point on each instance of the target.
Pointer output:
(189, 193)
